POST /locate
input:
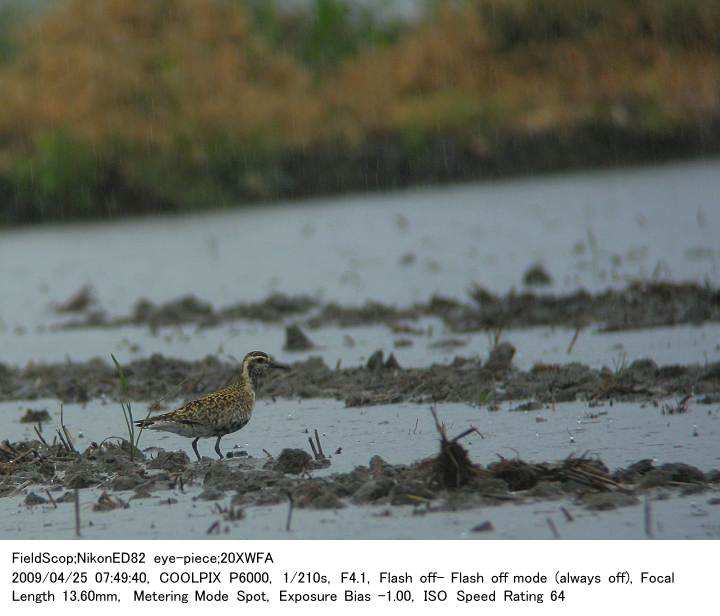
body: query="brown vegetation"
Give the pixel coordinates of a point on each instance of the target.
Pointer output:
(119, 104)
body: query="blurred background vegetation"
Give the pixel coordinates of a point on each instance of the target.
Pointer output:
(124, 106)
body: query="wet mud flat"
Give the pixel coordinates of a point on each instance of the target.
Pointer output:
(112, 480)
(638, 305)
(381, 381)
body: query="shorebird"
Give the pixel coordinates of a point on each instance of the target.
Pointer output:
(219, 413)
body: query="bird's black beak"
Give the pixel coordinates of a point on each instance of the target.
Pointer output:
(279, 365)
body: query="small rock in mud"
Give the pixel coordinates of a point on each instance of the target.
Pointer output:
(33, 499)
(317, 495)
(170, 460)
(122, 483)
(221, 477)
(605, 501)
(634, 471)
(483, 527)
(378, 467)
(672, 472)
(35, 416)
(501, 357)
(81, 475)
(296, 339)
(292, 461)
(373, 490)
(108, 503)
(536, 276)
(518, 475)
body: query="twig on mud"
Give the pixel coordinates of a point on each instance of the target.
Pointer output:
(268, 454)
(312, 446)
(567, 514)
(470, 430)
(77, 512)
(64, 434)
(453, 464)
(214, 528)
(40, 436)
(52, 500)
(319, 446)
(648, 518)
(578, 329)
(553, 528)
(291, 506)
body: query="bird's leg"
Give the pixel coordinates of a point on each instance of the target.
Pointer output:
(217, 447)
(194, 445)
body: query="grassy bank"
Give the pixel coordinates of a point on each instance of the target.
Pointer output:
(120, 106)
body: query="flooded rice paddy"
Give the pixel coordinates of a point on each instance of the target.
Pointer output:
(639, 442)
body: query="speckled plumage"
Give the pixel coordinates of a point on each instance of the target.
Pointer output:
(219, 413)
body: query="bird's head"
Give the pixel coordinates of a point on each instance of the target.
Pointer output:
(257, 363)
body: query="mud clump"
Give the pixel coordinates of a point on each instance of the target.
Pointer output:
(640, 304)
(32, 499)
(447, 481)
(606, 501)
(452, 467)
(79, 301)
(518, 475)
(170, 461)
(380, 381)
(373, 490)
(536, 276)
(378, 363)
(183, 310)
(296, 340)
(501, 357)
(35, 416)
(292, 461)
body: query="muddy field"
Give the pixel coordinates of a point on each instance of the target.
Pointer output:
(381, 381)
(50, 477)
(566, 330)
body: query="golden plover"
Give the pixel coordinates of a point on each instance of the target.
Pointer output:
(221, 412)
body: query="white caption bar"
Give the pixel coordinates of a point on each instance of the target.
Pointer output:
(397, 577)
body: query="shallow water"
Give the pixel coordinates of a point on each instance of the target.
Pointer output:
(352, 346)
(619, 435)
(690, 517)
(590, 229)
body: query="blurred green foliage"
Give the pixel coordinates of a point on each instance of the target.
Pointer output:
(324, 34)
(62, 177)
